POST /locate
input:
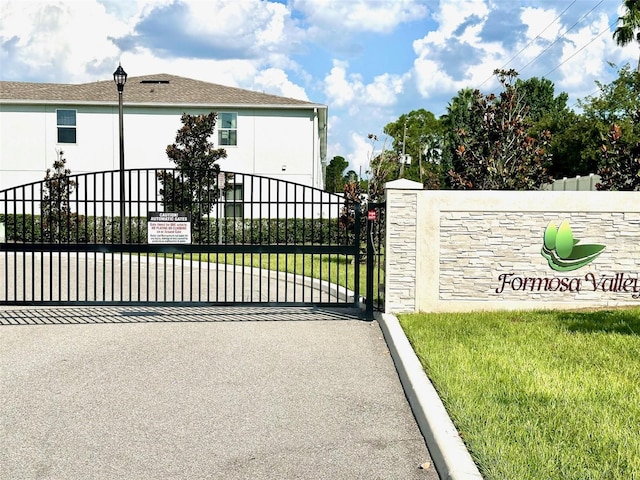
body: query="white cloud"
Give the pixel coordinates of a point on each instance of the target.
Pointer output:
(72, 42)
(544, 29)
(130, 11)
(235, 73)
(334, 120)
(431, 78)
(460, 23)
(584, 54)
(349, 90)
(63, 41)
(361, 151)
(453, 13)
(339, 89)
(275, 81)
(253, 23)
(245, 43)
(541, 23)
(380, 16)
(385, 89)
(474, 37)
(274, 28)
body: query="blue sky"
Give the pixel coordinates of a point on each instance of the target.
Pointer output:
(368, 60)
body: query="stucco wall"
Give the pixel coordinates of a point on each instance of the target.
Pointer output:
(479, 250)
(276, 143)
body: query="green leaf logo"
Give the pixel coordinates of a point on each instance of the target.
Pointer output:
(550, 235)
(564, 240)
(562, 251)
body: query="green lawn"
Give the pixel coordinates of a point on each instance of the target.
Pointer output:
(539, 395)
(336, 269)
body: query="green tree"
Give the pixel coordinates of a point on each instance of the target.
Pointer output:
(617, 101)
(571, 137)
(620, 167)
(419, 136)
(618, 104)
(494, 151)
(194, 188)
(334, 174)
(549, 113)
(58, 222)
(628, 29)
(351, 177)
(459, 117)
(352, 215)
(539, 96)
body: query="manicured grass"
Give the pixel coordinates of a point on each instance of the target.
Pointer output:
(539, 395)
(336, 269)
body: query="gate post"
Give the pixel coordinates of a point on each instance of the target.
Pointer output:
(370, 254)
(401, 254)
(356, 266)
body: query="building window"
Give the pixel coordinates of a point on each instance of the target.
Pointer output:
(66, 121)
(233, 198)
(227, 128)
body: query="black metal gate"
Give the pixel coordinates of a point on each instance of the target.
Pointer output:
(198, 238)
(376, 236)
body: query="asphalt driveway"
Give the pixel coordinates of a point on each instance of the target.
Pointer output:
(206, 392)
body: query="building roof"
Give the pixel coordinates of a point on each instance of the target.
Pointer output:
(159, 89)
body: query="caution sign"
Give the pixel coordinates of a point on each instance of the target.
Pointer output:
(168, 227)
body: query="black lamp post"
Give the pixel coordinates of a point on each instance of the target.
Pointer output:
(120, 78)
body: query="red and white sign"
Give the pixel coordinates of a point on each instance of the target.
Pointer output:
(371, 215)
(168, 227)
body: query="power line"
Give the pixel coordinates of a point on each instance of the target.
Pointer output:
(562, 36)
(533, 40)
(608, 29)
(575, 104)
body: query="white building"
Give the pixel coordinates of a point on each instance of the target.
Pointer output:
(263, 134)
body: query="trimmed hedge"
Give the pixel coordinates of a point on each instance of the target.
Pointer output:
(276, 231)
(292, 231)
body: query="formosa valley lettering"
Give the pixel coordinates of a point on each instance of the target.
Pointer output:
(619, 283)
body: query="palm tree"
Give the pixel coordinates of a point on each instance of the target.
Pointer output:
(629, 25)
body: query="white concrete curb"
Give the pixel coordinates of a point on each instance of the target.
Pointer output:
(448, 452)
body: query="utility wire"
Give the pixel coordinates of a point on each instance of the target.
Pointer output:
(556, 41)
(577, 102)
(533, 40)
(562, 37)
(608, 29)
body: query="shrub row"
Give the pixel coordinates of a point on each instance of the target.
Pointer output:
(32, 229)
(275, 231)
(78, 229)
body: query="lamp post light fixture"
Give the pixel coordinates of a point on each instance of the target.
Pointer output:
(120, 78)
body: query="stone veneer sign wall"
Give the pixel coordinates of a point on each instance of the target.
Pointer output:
(483, 250)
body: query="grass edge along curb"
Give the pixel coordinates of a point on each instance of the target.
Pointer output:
(448, 452)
